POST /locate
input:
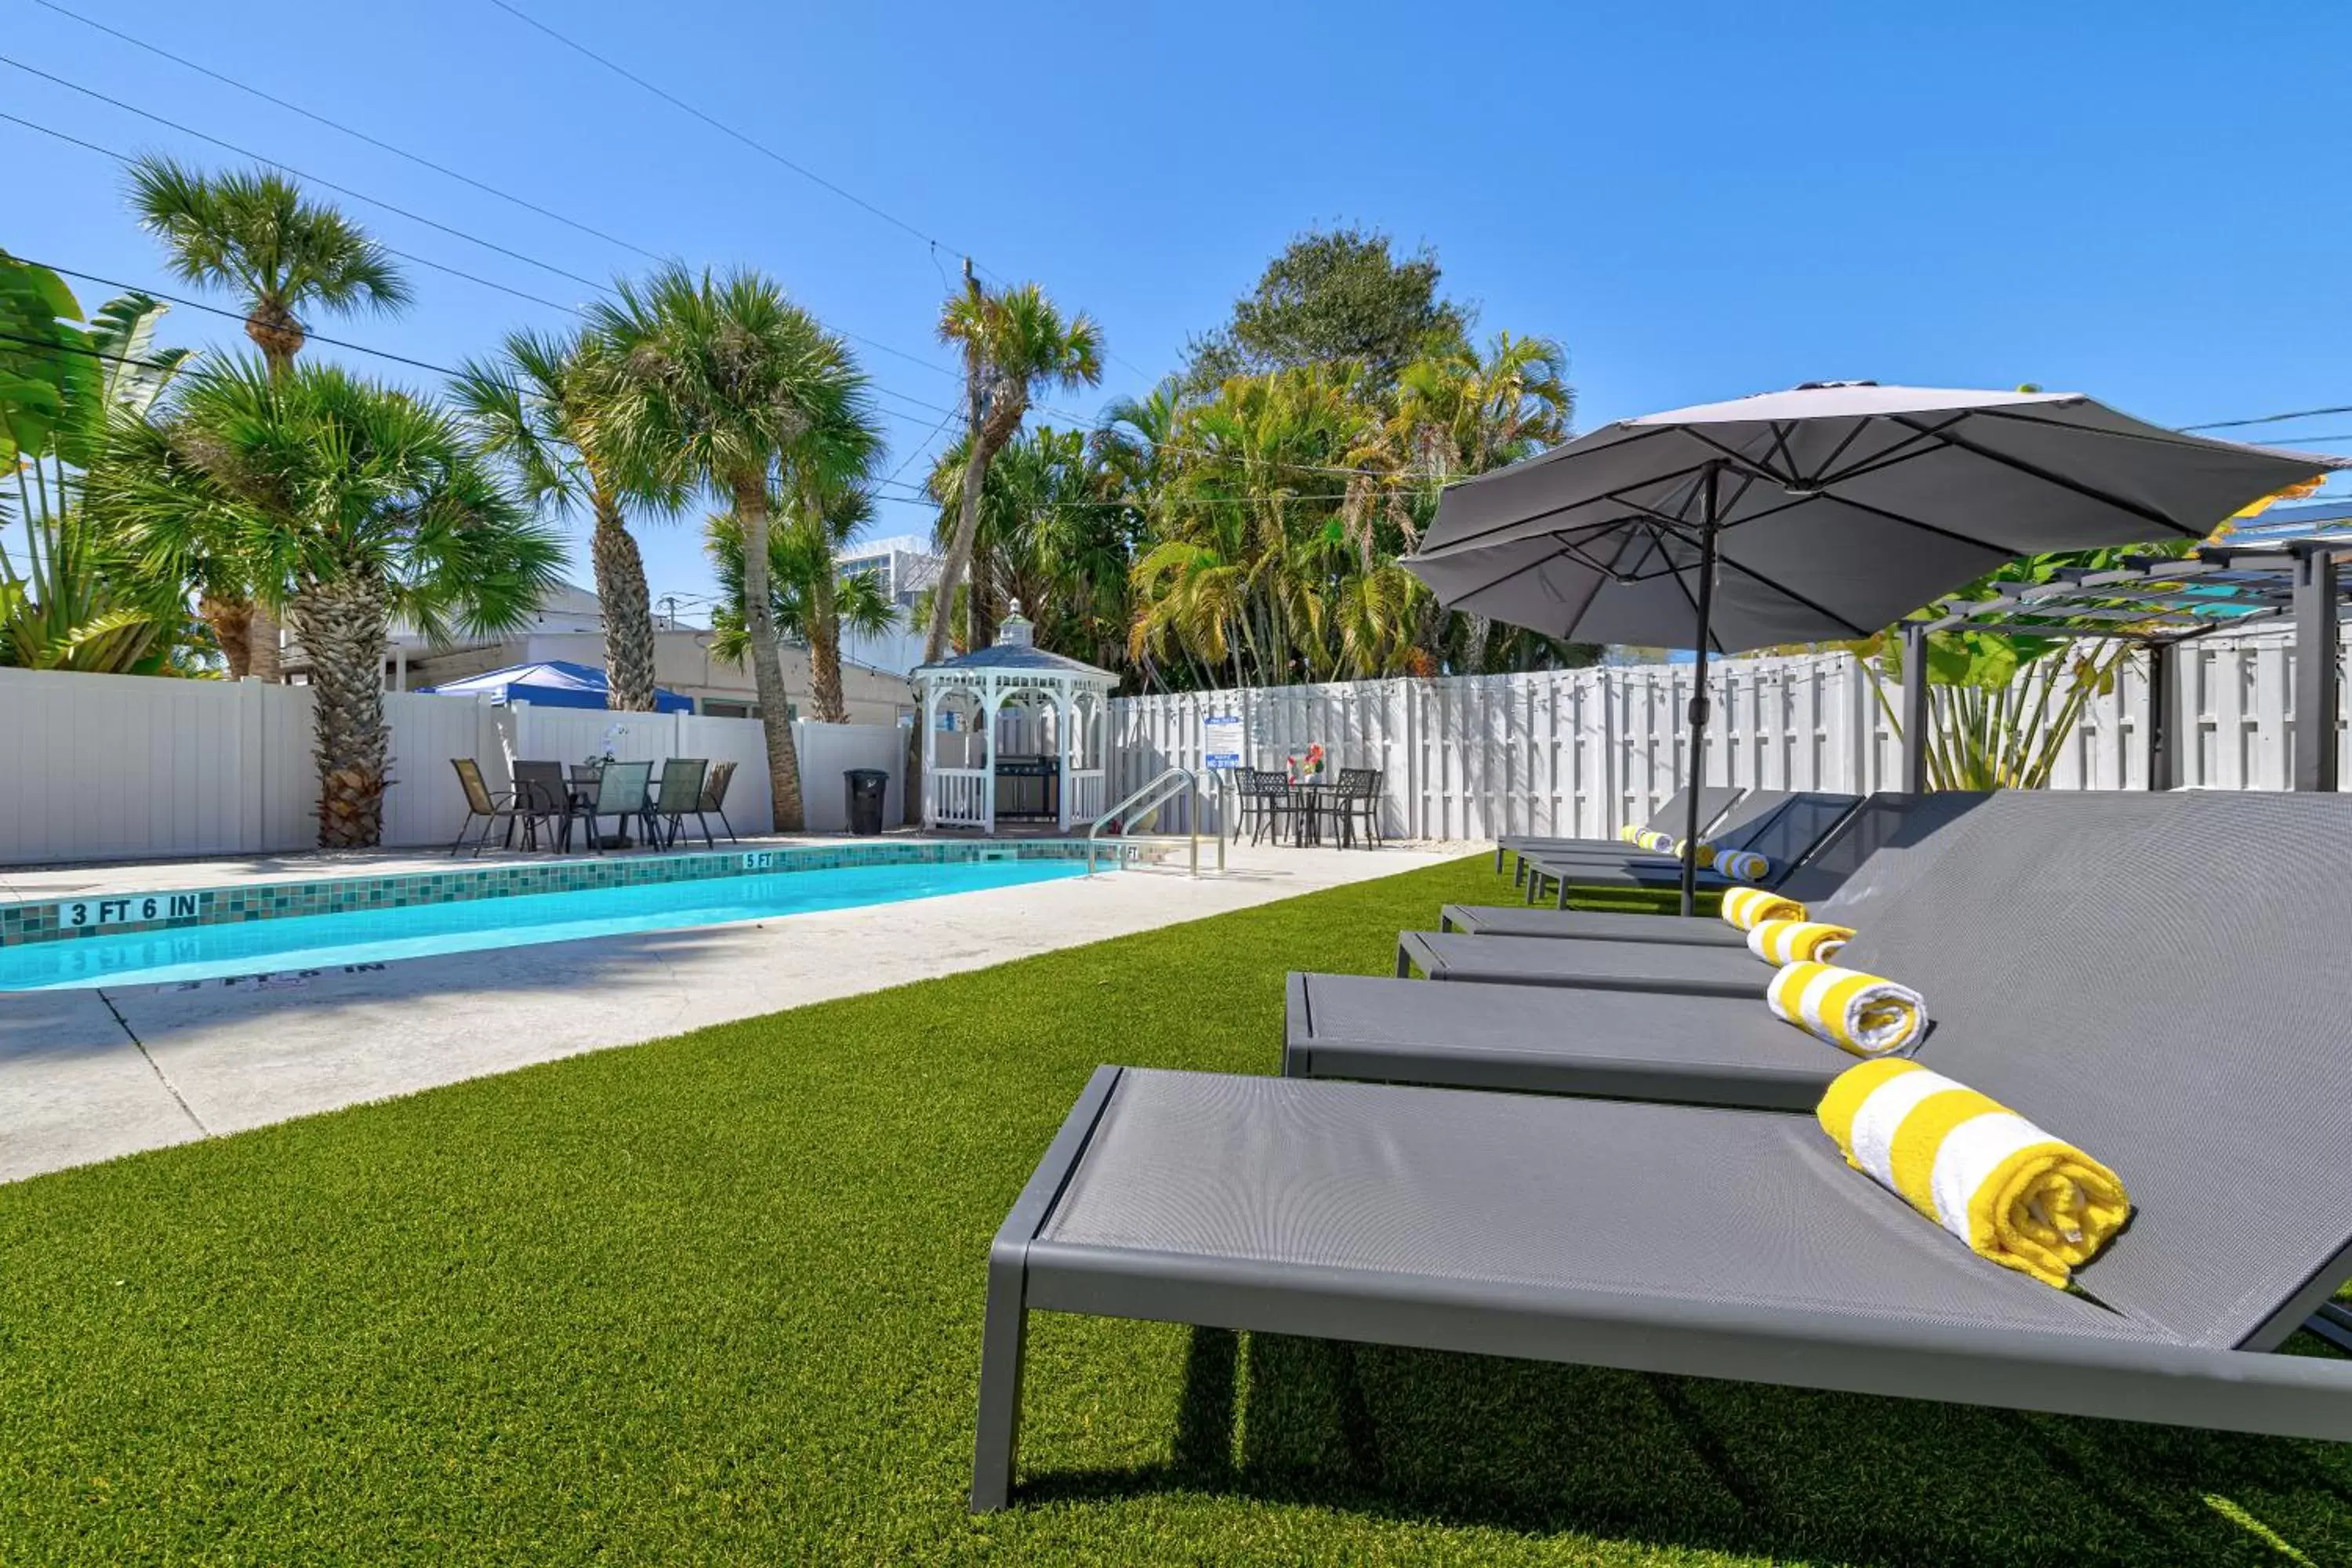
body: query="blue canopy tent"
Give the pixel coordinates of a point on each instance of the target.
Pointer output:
(557, 683)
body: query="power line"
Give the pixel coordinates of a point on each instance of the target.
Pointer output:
(126, 160)
(376, 142)
(44, 346)
(932, 241)
(236, 315)
(719, 125)
(2274, 419)
(313, 179)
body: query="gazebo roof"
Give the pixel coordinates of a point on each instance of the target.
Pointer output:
(1015, 653)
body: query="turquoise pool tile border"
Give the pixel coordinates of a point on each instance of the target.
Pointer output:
(43, 921)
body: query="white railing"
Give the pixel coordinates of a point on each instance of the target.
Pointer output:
(959, 796)
(1087, 789)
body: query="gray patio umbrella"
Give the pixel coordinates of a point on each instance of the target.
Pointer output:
(1826, 512)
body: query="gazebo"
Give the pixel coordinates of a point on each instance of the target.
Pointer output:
(1013, 732)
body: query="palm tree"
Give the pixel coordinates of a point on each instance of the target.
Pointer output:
(811, 603)
(254, 232)
(1013, 342)
(536, 406)
(353, 502)
(724, 382)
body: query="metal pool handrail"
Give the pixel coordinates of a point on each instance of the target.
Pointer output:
(1157, 798)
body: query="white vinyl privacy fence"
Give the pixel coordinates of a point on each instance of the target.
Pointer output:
(1580, 753)
(107, 767)
(101, 767)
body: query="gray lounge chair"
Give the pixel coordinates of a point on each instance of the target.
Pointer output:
(1785, 826)
(2198, 1054)
(1713, 802)
(1975, 877)
(1871, 855)
(2018, 838)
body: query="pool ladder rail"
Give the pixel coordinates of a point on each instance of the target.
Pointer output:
(1155, 794)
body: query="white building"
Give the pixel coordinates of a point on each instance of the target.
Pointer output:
(903, 566)
(569, 625)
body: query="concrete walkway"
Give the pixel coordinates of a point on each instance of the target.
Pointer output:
(90, 1075)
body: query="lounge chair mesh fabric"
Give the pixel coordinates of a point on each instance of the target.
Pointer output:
(1749, 816)
(1962, 872)
(1874, 853)
(1509, 1189)
(1695, 1050)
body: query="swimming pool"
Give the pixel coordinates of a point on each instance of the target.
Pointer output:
(417, 930)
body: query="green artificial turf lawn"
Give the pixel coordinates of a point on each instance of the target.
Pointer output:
(718, 1299)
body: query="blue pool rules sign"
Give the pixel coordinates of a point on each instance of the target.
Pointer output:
(1221, 742)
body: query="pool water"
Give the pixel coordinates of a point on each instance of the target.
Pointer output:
(417, 930)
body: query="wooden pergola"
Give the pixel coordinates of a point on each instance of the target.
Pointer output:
(1062, 712)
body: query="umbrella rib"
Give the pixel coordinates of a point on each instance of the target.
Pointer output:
(1616, 495)
(1903, 451)
(1853, 434)
(2035, 470)
(1786, 592)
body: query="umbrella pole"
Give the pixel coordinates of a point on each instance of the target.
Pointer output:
(1698, 708)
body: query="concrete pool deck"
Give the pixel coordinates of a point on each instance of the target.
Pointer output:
(93, 1074)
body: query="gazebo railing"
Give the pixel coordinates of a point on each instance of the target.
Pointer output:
(1086, 791)
(959, 796)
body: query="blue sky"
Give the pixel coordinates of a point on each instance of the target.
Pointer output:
(1699, 200)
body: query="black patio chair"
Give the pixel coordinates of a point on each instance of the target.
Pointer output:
(490, 807)
(1356, 796)
(542, 799)
(679, 793)
(1279, 806)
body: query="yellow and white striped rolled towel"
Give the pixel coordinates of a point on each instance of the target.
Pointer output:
(1630, 833)
(1702, 851)
(1742, 864)
(2013, 1193)
(1661, 843)
(1748, 908)
(1797, 941)
(1852, 1011)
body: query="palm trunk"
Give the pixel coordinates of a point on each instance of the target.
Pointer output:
(979, 607)
(343, 627)
(825, 653)
(232, 624)
(953, 569)
(767, 672)
(261, 650)
(628, 609)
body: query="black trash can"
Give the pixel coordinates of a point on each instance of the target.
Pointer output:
(869, 787)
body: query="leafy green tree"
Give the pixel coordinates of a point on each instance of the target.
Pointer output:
(724, 384)
(77, 599)
(353, 502)
(1014, 343)
(813, 604)
(535, 404)
(254, 233)
(1053, 535)
(1333, 295)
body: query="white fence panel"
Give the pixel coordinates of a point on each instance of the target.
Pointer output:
(107, 766)
(828, 750)
(425, 803)
(1581, 752)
